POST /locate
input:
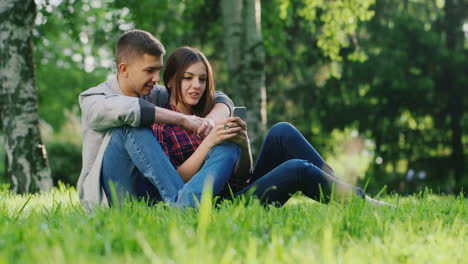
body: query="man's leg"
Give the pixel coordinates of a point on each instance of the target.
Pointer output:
(134, 157)
(218, 167)
(133, 152)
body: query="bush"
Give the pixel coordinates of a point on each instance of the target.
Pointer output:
(64, 161)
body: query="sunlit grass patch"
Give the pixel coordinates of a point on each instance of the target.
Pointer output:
(53, 228)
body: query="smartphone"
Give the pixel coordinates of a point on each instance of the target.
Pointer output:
(240, 111)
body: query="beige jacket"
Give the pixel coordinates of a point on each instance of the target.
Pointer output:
(105, 107)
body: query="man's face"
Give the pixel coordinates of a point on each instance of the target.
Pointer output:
(141, 74)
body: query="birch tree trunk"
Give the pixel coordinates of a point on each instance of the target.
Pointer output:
(27, 160)
(246, 59)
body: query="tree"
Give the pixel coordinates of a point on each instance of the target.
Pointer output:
(246, 58)
(407, 94)
(27, 160)
(451, 83)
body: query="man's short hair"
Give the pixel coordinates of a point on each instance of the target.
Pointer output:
(135, 43)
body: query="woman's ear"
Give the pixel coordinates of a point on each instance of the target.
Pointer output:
(170, 84)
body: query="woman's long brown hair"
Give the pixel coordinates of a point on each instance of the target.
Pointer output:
(177, 63)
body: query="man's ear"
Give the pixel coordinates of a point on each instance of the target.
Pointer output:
(123, 69)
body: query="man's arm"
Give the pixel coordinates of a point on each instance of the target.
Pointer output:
(220, 99)
(166, 116)
(159, 96)
(221, 110)
(223, 107)
(102, 111)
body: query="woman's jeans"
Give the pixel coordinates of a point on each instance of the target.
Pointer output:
(134, 164)
(287, 163)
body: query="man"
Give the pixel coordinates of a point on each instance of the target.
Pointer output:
(120, 154)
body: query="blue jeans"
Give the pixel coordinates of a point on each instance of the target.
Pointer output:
(288, 163)
(135, 165)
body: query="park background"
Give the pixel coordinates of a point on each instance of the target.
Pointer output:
(378, 87)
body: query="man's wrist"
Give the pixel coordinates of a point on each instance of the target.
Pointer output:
(166, 116)
(181, 119)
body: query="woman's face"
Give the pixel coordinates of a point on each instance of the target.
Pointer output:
(194, 83)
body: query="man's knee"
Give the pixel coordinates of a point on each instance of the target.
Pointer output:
(120, 134)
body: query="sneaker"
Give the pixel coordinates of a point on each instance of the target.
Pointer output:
(375, 202)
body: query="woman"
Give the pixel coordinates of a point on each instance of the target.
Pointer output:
(286, 164)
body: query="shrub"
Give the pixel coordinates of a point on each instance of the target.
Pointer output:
(64, 161)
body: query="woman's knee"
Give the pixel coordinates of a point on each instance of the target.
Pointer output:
(282, 126)
(299, 164)
(228, 146)
(226, 149)
(304, 169)
(282, 129)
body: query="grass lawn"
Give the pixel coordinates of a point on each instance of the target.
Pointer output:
(53, 228)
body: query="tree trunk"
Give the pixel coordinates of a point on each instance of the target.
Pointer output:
(27, 160)
(246, 59)
(454, 43)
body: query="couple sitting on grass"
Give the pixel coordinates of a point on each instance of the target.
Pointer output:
(145, 141)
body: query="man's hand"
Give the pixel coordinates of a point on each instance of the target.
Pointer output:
(191, 122)
(206, 127)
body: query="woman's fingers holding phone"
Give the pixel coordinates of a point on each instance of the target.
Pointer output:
(242, 124)
(219, 133)
(235, 122)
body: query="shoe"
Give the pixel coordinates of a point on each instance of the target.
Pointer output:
(375, 202)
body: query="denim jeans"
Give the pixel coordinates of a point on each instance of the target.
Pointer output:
(288, 163)
(136, 165)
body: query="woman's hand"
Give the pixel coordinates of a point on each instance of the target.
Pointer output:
(242, 138)
(244, 165)
(223, 131)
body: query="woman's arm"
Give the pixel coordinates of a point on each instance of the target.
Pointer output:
(193, 164)
(218, 134)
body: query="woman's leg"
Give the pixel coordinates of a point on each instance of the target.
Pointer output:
(284, 142)
(217, 169)
(294, 175)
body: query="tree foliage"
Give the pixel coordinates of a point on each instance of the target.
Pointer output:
(393, 71)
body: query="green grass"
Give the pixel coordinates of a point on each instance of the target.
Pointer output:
(53, 228)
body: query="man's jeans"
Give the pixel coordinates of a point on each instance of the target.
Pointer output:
(288, 163)
(135, 165)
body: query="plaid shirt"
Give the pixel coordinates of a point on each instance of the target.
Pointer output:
(179, 144)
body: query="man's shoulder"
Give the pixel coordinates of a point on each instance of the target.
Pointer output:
(105, 88)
